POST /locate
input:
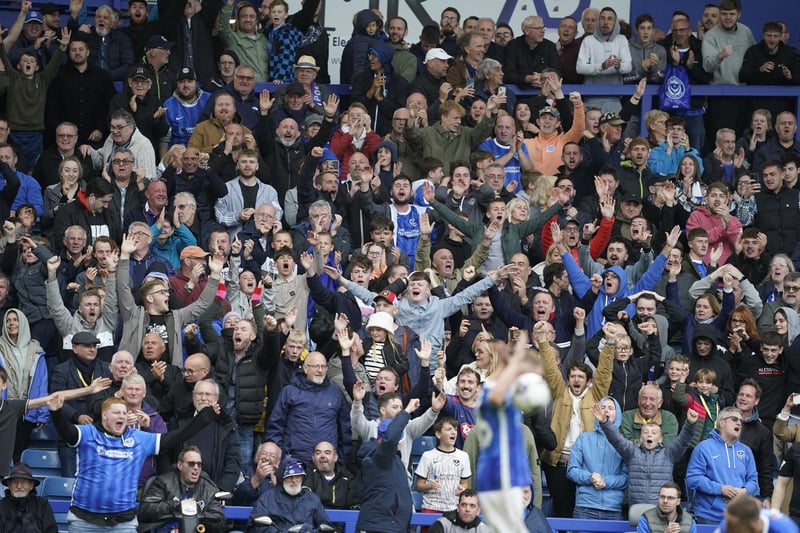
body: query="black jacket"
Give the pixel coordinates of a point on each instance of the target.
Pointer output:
(81, 98)
(31, 514)
(759, 438)
(158, 502)
(521, 60)
(77, 214)
(202, 41)
(341, 492)
(225, 467)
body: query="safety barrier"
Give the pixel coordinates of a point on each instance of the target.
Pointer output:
(349, 518)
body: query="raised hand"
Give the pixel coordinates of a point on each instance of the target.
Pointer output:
(555, 230)
(215, 263)
(331, 105)
(52, 266)
(307, 260)
(265, 102)
(128, 246)
(99, 385)
(291, 317)
(424, 352)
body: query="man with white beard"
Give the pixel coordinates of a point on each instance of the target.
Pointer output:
(310, 409)
(290, 503)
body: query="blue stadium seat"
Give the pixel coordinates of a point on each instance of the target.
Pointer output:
(420, 446)
(44, 438)
(416, 497)
(43, 463)
(57, 488)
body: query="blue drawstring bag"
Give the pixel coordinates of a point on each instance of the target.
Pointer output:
(675, 93)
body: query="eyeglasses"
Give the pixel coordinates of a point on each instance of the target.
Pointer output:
(160, 291)
(193, 464)
(734, 418)
(738, 321)
(268, 454)
(65, 135)
(122, 161)
(118, 127)
(316, 367)
(534, 28)
(139, 234)
(245, 78)
(791, 288)
(375, 252)
(624, 348)
(668, 498)
(191, 372)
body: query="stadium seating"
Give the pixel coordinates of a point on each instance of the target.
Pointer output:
(43, 463)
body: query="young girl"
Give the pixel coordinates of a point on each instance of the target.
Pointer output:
(380, 349)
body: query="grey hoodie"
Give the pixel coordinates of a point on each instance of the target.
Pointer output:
(595, 49)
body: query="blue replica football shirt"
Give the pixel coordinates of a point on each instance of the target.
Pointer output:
(108, 468)
(502, 463)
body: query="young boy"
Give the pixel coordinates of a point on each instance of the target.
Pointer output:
(698, 247)
(677, 368)
(27, 92)
(283, 39)
(432, 171)
(288, 289)
(282, 239)
(381, 230)
(443, 472)
(650, 464)
(704, 400)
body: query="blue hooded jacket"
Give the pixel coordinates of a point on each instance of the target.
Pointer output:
(715, 463)
(354, 55)
(593, 453)
(581, 285)
(387, 176)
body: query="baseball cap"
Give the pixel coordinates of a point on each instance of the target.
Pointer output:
(437, 53)
(33, 16)
(295, 88)
(550, 110)
(137, 72)
(294, 468)
(611, 118)
(387, 295)
(193, 251)
(158, 41)
(84, 337)
(632, 197)
(313, 118)
(186, 74)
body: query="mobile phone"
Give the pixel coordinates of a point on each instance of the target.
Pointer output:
(796, 399)
(471, 82)
(501, 91)
(334, 165)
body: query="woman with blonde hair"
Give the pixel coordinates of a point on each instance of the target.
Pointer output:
(759, 132)
(518, 210)
(772, 287)
(540, 196)
(486, 363)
